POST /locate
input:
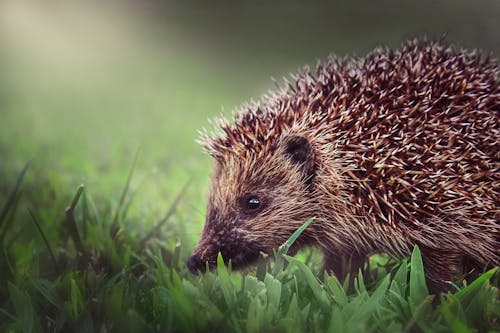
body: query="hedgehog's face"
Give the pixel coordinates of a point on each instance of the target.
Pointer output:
(256, 203)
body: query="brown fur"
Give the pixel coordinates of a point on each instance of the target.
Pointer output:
(396, 149)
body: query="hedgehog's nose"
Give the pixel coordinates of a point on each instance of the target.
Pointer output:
(195, 263)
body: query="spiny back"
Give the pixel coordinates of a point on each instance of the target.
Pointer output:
(350, 94)
(416, 129)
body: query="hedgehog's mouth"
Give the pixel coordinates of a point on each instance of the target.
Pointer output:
(243, 260)
(239, 256)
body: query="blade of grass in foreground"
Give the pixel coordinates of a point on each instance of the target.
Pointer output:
(225, 282)
(114, 225)
(70, 218)
(9, 218)
(13, 193)
(23, 306)
(476, 284)
(47, 244)
(418, 286)
(285, 247)
(288, 244)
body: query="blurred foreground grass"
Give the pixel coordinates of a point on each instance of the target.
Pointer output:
(84, 88)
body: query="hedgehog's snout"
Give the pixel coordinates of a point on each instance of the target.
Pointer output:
(195, 263)
(202, 254)
(230, 243)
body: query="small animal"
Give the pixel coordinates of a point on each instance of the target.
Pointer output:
(395, 149)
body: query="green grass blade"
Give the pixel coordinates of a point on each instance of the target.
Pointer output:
(71, 223)
(76, 300)
(225, 282)
(286, 246)
(476, 284)
(12, 195)
(47, 244)
(114, 225)
(401, 277)
(274, 291)
(418, 286)
(9, 219)
(455, 324)
(360, 283)
(313, 282)
(261, 267)
(48, 291)
(24, 308)
(337, 291)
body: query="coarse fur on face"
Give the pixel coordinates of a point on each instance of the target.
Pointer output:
(256, 202)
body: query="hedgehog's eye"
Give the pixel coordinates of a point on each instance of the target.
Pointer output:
(251, 204)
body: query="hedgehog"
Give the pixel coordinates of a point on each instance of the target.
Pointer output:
(386, 152)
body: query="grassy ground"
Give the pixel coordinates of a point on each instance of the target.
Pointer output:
(113, 100)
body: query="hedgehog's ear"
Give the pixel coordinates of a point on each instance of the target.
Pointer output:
(299, 151)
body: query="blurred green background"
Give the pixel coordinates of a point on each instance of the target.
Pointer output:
(84, 85)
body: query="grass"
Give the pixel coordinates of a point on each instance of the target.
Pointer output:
(82, 273)
(95, 228)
